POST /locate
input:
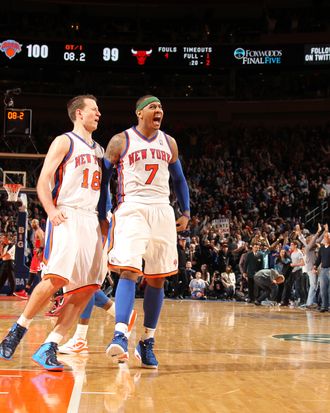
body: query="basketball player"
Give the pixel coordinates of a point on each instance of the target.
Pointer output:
(69, 189)
(38, 246)
(144, 226)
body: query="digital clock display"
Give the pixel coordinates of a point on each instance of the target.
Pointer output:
(17, 122)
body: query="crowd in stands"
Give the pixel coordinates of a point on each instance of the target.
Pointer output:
(250, 188)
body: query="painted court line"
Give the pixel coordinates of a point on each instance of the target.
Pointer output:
(76, 392)
(98, 392)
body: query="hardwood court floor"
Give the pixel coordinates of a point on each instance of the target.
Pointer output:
(213, 357)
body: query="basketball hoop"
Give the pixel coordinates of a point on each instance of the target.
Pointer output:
(12, 191)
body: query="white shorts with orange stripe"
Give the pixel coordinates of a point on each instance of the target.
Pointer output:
(144, 231)
(74, 250)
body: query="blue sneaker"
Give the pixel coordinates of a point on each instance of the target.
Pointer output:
(145, 353)
(11, 341)
(118, 348)
(45, 356)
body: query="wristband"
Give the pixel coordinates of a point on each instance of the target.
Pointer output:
(186, 215)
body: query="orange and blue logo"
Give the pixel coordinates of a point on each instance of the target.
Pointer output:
(10, 48)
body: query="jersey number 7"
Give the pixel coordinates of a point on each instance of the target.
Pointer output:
(153, 168)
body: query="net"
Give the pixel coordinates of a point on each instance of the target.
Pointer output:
(12, 191)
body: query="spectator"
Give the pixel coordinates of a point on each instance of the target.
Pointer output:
(7, 271)
(253, 263)
(297, 263)
(228, 280)
(197, 287)
(323, 260)
(267, 280)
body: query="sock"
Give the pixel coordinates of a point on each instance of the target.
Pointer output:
(81, 331)
(152, 305)
(122, 328)
(100, 299)
(24, 322)
(89, 308)
(54, 338)
(148, 333)
(112, 310)
(125, 295)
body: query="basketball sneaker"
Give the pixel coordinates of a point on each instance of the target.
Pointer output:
(21, 294)
(58, 303)
(46, 357)
(118, 348)
(144, 352)
(74, 346)
(11, 341)
(131, 322)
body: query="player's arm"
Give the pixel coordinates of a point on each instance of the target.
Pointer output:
(112, 154)
(41, 237)
(115, 148)
(180, 186)
(104, 204)
(56, 153)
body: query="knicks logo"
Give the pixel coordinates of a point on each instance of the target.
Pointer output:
(10, 48)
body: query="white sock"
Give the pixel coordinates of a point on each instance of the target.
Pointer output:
(54, 338)
(81, 331)
(24, 322)
(148, 333)
(112, 310)
(122, 327)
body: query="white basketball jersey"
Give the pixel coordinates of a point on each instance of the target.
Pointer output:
(77, 179)
(143, 174)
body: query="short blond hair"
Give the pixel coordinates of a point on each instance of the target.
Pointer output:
(78, 102)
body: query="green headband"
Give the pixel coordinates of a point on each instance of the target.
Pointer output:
(146, 102)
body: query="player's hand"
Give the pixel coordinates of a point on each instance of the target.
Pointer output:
(181, 223)
(56, 217)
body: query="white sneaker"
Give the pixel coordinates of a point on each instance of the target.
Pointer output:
(74, 346)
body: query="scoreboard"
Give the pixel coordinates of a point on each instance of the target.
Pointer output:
(205, 57)
(16, 52)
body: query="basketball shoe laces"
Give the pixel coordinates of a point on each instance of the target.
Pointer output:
(13, 338)
(149, 349)
(51, 354)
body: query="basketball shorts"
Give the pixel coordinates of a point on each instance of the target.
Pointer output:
(74, 250)
(144, 233)
(35, 262)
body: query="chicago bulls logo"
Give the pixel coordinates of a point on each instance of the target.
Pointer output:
(141, 55)
(10, 48)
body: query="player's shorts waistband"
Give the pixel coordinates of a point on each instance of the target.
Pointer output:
(80, 210)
